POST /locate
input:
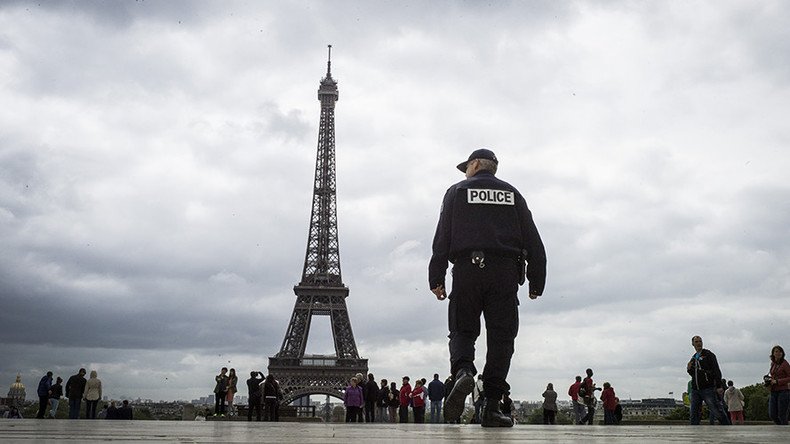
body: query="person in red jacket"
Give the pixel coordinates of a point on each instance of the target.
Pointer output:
(405, 400)
(778, 378)
(609, 403)
(578, 407)
(418, 402)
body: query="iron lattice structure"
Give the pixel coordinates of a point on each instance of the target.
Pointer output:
(321, 291)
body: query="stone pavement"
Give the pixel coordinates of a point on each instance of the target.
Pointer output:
(56, 430)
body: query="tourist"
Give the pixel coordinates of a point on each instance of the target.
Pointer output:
(549, 405)
(609, 403)
(587, 393)
(436, 395)
(75, 387)
(507, 405)
(271, 396)
(13, 413)
(233, 381)
(618, 411)
(43, 394)
(92, 395)
(778, 379)
(220, 392)
(125, 412)
(254, 395)
(55, 393)
(734, 400)
(108, 412)
(448, 388)
(371, 394)
(382, 401)
(393, 402)
(705, 383)
(354, 400)
(478, 397)
(405, 400)
(578, 407)
(418, 402)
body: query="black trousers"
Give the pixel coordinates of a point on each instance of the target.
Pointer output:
(493, 292)
(219, 403)
(549, 416)
(419, 415)
(43, 402)
(403, 414)
(370, 411)
(254, 403)
(270, 412)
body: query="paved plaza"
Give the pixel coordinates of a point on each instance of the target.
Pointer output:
(32, 430)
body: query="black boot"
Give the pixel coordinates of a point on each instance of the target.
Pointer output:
(456, 400)
(491, 416)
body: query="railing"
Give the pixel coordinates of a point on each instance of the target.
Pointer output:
(319, 362)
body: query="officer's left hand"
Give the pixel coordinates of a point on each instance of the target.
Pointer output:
(533, 296)
(439, 292)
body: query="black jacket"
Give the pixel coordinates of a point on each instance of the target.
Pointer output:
(75, 386)
(704, 370)
(371, 392)
(488, 214)
(56, 391)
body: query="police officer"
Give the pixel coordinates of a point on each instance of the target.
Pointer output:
(486, 230)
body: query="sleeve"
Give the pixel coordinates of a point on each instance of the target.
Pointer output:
(437, 268)
(536, 252)
(716, 370)
(786, 380)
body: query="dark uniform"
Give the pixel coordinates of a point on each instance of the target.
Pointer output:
(484, 214)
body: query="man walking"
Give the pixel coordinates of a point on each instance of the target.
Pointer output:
(436, 395)
(486, 230)
(75, 387)
(705, 382)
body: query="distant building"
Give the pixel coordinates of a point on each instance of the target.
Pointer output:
(648, 407)
(16, 395)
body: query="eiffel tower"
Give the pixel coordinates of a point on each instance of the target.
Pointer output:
(321, 291)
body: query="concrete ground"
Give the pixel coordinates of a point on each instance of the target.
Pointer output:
(55, 430)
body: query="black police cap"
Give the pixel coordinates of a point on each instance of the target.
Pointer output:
(482, 153)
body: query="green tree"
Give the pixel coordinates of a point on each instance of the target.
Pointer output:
(755, 398)
(680, 413)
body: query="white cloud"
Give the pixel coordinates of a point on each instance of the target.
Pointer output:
(157, 161)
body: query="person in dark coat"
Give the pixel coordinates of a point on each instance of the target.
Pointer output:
(254, 395)
(125, 412)
(371, 394)
(75, 387)
(382, 401)
(271, 396)
(55, 393)
(436, 396)
(43, 394)
(112, 411)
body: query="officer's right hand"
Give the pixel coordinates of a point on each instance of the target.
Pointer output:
(439, 292)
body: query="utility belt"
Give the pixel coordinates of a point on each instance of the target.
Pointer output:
(478, 257)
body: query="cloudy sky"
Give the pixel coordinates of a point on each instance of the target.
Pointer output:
(157, 159)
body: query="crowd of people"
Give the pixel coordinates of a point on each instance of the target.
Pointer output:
(77, 389)
(264, 395)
